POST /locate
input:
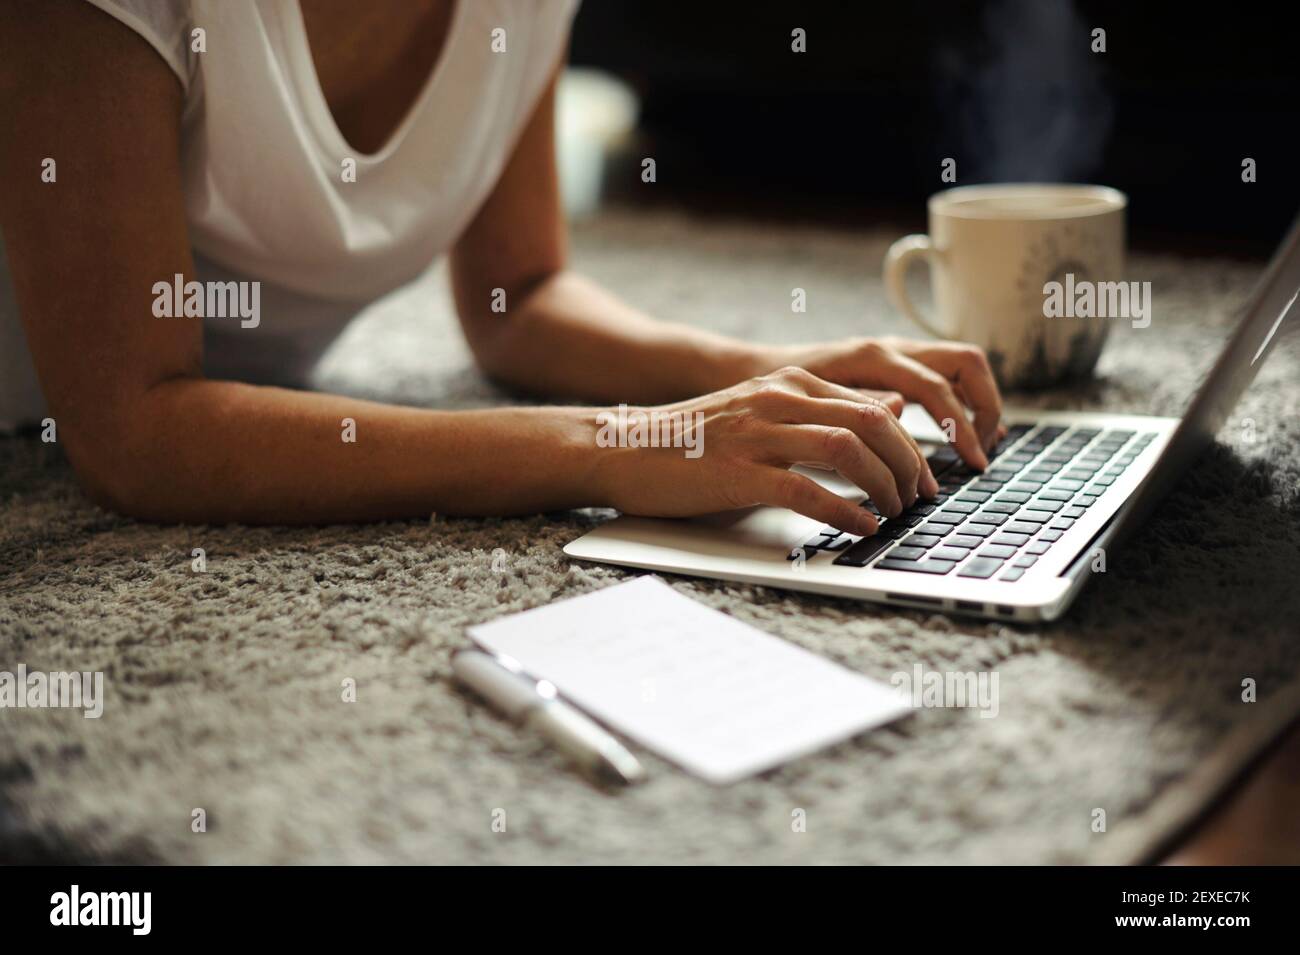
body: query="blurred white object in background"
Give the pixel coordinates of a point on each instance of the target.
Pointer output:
(596, 112)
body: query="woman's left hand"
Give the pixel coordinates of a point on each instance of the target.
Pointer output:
(945, 378)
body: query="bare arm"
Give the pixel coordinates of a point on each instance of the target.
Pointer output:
(595, 346)
(562, 335)
(145, 431)
(150, 436)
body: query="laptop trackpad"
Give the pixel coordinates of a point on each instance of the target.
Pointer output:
(778, 527)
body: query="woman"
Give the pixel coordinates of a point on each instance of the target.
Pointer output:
(330, 151)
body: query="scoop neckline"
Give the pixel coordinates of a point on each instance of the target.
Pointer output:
(317, 106)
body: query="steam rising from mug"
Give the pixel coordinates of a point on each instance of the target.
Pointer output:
(1030, 99)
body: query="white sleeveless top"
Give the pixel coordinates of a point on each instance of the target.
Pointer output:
(263, 171)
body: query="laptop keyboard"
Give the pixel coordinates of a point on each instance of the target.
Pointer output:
(994, 524)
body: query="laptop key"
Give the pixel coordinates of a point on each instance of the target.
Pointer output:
(1026, 487)
(1014, 497)
(862, 553)
(966, 541)
(935, 530)
(1041, 505)
(1013, 573)
(1000, 551)
(831, 543)
(961, 507)
(954, 554)
(1050, 535)
(942, 460)
(981, 567)
(975, 497)
(1026, 561)
(1029, 516)
(1054, 494)
(923, 540)
(984, 517)
(1062, 524)
(1012, 540)
(916, 566)
(1085, 500)
(1065, 484)
(947, 517)
(1038, 547)
(1001, 507)
(987, 486)
(903, 552)
(1021, 527)
(977, 530)
(1073, 512)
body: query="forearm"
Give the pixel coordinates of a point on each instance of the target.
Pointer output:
(568, 337)
(215, 452)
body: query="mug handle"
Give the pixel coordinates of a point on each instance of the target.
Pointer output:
(898, 259)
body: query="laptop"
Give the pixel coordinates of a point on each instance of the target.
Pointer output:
(1016, 542)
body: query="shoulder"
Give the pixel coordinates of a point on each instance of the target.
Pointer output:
(166, 25)
(69, 73)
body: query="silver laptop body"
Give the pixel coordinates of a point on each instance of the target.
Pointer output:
(1017, 542)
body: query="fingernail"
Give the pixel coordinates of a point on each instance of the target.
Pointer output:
(867, 524)
(929, 486)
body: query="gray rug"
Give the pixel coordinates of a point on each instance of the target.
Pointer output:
(224, 688)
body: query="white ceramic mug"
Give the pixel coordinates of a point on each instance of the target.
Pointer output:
(992, 249)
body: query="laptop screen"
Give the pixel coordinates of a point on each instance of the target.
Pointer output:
(1271, 314)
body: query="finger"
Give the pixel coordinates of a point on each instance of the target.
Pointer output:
(968, 369)
(923, 481)
(936, 396)
(878, 429)
(841, 449)
(890, 399)
(782, 488)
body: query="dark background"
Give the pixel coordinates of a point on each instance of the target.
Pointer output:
(854, 130)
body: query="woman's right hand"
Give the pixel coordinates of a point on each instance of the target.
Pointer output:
(750, 435)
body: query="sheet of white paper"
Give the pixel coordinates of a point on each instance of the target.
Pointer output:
(699, 688)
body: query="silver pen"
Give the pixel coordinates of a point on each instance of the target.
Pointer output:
(535, 705)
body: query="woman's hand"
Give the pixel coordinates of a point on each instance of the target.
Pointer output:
(943, 377)
(743, 441)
